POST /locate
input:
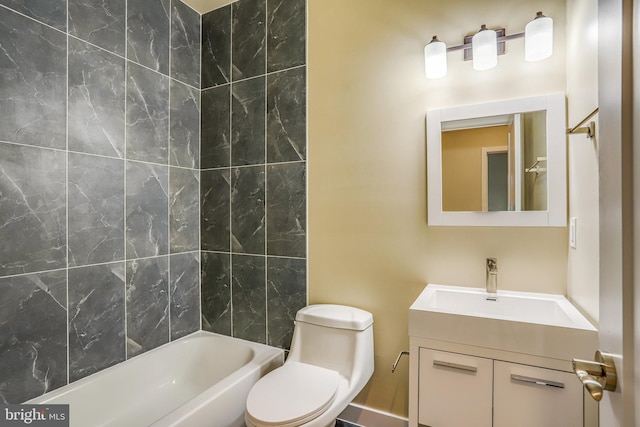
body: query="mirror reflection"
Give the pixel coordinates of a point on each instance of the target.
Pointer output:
(495, 163)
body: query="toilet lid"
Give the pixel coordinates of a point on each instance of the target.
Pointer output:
(292, 394)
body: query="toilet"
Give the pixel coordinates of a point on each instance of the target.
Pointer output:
(330, 361)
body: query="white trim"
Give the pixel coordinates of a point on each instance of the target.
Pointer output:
(363, 416)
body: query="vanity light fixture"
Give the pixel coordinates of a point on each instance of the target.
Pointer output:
(484, 46)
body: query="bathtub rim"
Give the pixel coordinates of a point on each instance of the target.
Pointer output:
(262, 354)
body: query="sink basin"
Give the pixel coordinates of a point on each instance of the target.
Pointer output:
(533, 323)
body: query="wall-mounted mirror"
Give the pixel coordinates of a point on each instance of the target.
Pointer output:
(498, 164)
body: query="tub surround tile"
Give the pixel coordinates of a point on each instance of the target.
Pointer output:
(248, 297)
(184, 210)
(215, 194)
(216, 292)
(248, 210)
(147, 115)
(96, 209)
(185, 44)
(147, 304)
(286, 210)
(33, 81)
(216, 47)
(96, 100)
(185, 294)
(96, 318)
(286, 38)
(148, 33)
(286, 116)
(100, 22)
(33, 335)
(32, 209)
(249, 38)
(147, 210)
(184, 143)
(248, 122)
(286, 294)
(51, 12)
(216, 128)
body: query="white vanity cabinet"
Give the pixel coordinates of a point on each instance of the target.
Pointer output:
(499, 362)
(455, 390)
(528, 396)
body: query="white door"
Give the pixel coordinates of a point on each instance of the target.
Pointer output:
(617, 195)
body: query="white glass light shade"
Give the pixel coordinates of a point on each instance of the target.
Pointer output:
(484, 45)
(435, 59)
(538, 38)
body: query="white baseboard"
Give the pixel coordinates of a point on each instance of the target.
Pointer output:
(368, 417)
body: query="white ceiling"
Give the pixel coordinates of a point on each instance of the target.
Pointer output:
(204, 6)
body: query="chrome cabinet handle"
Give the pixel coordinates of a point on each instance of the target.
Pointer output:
(457, 366)
(537, 381)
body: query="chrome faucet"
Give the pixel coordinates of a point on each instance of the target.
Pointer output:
(492, 279)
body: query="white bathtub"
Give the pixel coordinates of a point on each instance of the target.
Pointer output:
(200, 380)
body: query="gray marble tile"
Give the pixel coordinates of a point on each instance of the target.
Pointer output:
(148, 33)
(286, 210)
(184, 210)
(147, 198)
(51, 12)
(249, 38)
(96, 318)
(147, 304)
(185, 294)
(33, 335)
(185, 44)
(216, 292)
(286, 294)
(101, 22)
(216, 47)
(96, 100)
(184, 142)
(32, 209)
(286, 116)
(286, 34)
(216, 128)
(33, 81)
(247, 210)
(248, 122)
(249, 294)
(147, 115)
(215, 194)
(96, 209)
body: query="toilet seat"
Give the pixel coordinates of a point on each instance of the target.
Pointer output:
(291, 395)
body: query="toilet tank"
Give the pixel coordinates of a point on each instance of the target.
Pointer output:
(335, 337)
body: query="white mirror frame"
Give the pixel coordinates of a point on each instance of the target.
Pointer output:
(555, 216)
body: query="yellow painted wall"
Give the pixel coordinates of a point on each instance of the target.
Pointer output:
(462, 165)
(582, 93)
(369, 243)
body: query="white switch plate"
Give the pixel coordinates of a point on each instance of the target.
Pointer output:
(572, 232)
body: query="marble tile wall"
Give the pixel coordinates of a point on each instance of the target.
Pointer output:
(99, 185)
(253, 169)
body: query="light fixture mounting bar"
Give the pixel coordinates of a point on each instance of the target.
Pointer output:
(502, 39)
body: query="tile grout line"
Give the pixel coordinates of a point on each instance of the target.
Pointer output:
(269, 73)
(199, 164)
(67, 198)
(169, 293)
(266, 195)
(124, 174)
(230, 164)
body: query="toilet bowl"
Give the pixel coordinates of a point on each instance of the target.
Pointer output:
(330, 361)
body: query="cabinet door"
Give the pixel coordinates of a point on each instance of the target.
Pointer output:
(528, 396)
(454, 390)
